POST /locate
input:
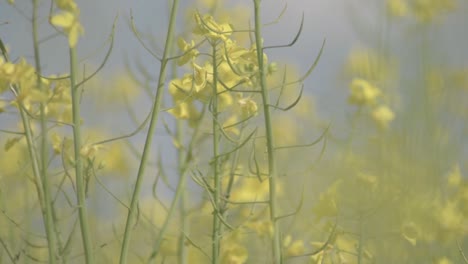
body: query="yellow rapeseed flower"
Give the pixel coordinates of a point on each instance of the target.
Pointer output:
(383, 115)
(67, 5)
(454, 177)
(70, 24)
(184, 110)
(208, 27)
(397, 8)
(293, 248)
(189, 52)
(248, 107)
(443, 260)
(199, 77)
(427, 11)
(363, 92)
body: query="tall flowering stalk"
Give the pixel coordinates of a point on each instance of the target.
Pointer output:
(48, 205)
(216, 234)
(272, 173)
(68, 20)
(222, 82)
(131, 217)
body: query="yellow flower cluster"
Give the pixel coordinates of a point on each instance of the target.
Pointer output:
(23, 78)
(293, 248)
(363, 92)
(206, 26)
(370, 70)
(110, 158)
(68, 20)
(233, 252)
(425, 11)
(236, 68)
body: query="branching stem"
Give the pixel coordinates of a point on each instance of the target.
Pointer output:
(276, 243)
(131, 217)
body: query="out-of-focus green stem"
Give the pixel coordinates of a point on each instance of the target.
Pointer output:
(232, 172)
(178, 195)
(149, 137)
(216, 236)
(276, 243)
(182, 165)
(49, 222)
(80, 188)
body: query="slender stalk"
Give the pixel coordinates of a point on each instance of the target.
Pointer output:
(80, 188)
(131, 217)
(216, 235)
(180, 189)
(276, 243)
(181, 164)
(49, 221)
(232, 172)
(35, 167)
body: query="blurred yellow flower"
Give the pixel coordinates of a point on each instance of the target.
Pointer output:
(451, 218)
(199, 77)
(411, 232)
(443, 260)
(68, 20)
(184, 110)
(369, 181)
(261, 227)
(224, 100)
(232, 250)
(293, 248)
(68, 5)
(430, 10)
(326, 206)
(454, 177)
(248, 107)
(397, 8)
(363, 92)
(190, 52)
(169, 246)
(209, 3)
(229, 125)
(12, 153)
(208, 27)
(383, 115)
(3, 106)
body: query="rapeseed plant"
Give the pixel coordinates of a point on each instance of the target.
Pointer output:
(236, 174)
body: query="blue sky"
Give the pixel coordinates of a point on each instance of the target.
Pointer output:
(341, 22)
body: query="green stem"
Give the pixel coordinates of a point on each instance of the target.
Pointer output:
(216, 236)
(182, 253)
(178, 195)
(80, 188)
(47, 204)
(182, 165)
(131, 217)
(232, 172)
(31, 148)
(276, 243)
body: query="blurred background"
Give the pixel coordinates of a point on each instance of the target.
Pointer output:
(391, 86)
